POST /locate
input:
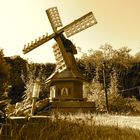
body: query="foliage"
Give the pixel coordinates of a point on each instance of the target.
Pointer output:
(21, 73)
(41, 71)
(4, 77)
(17, 72)
(35, 71)
(94, 92)
(117, 63)
(4, 73)
(117, 103)
(18, 67)
(109, 59)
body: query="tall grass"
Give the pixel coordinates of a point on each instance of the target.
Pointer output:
(56, 128)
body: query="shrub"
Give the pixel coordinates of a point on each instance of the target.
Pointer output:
(117, 104)
(94, 92)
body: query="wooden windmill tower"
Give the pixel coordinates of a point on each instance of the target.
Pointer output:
(66, 82)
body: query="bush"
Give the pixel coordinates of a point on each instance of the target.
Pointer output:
(94, 92)
(117, 104)
(120, 105)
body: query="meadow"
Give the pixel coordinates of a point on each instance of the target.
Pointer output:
(74, 127)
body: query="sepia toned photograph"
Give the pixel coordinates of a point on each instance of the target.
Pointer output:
(70, 70)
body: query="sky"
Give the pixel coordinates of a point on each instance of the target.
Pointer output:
(22, 21)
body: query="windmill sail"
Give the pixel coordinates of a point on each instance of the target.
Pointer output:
(80, 24)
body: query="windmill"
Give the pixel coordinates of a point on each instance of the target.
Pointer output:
(67, 77)
(62, 60)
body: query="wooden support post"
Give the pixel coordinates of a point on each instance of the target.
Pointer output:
(33, 106)
(105, 87)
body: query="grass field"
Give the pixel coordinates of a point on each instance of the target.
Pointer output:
(107, 120)
(76, 127)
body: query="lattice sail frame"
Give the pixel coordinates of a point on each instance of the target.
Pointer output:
(60, 62)
(54, 18)
(81, 24)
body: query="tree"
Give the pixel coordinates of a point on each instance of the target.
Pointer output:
(4, 76)
(4, 73)
(18, 77)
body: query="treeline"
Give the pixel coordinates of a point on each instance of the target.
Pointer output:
(21, 72)
(15, 72)
(106, 59)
